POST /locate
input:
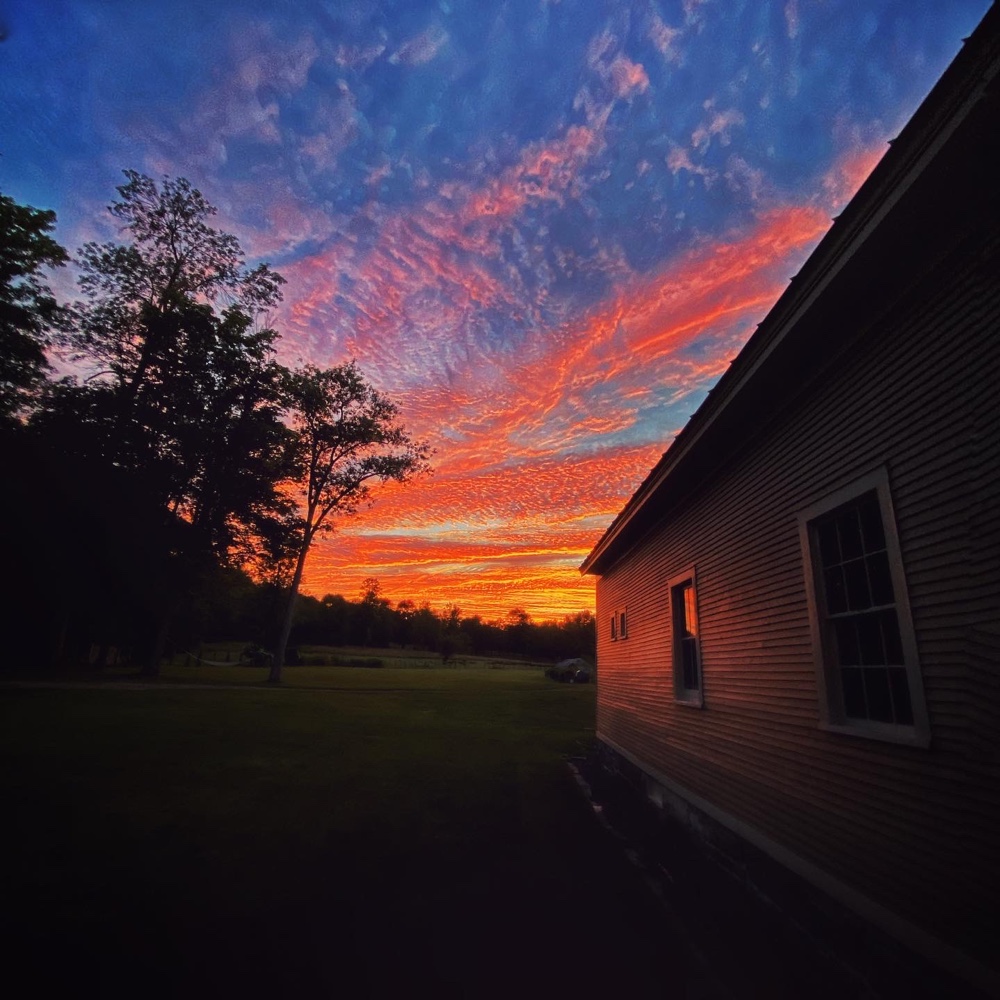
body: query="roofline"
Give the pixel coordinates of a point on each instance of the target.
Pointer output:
(947, 105)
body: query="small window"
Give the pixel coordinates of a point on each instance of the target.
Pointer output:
(686, 647)
(870, 681)
(619, 626)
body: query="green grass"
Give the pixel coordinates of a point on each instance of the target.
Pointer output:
(357, 830)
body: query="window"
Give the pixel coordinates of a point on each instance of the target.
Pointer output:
(686, 650)
(619, 625)
(866, 654)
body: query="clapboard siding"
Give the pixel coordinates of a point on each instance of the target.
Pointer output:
(915, 391)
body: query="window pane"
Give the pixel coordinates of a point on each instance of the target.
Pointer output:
(879, 699)
(689, 656)
(850, 534)
(622, 626)
(880, 578)
(854, 693)
(690, 620)
(899, 685)
(871, 523)
(851, 550)
(836, 591)
(848, 653)
(890, 637)
(870, 640)
(858, 596)
(829, 548)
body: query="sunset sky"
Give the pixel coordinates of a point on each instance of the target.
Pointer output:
(544, 227)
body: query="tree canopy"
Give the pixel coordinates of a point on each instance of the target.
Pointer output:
(28, 310)
(346, 437)
(183, 445)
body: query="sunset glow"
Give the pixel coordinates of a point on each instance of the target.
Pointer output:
(543, 228)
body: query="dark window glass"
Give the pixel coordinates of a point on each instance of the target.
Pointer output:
(828, 546)
(891, 637)
(870, 640)
(854, 693)
(622, 626)
(836, 590)
(879, 699)
(899, 685)
(880, 578)
(685, 623)
(848, 653)
(871, 523)
(849, 529)
(689, 652)
(856, 578)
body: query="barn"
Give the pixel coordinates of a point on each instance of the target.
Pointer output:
(799, 608)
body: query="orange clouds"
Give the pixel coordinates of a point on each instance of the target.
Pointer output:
(527, 473)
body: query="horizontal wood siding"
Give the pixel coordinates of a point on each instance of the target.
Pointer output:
(915, 829)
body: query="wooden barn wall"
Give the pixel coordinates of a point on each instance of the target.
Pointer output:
(915, 829)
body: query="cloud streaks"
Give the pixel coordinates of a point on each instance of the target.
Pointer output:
(543, 228)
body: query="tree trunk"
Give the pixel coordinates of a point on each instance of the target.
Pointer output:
(151, 663)
(286, 626)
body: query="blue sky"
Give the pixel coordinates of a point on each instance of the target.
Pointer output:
(543, 226)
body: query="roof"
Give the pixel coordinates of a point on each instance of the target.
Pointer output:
(934, 183)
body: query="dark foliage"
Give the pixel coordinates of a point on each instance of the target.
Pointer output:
(28, 310)
(141, 492)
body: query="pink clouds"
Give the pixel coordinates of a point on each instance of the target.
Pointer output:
(422, 48)
(718, 124)
(510, 489)
(621, 75)
(664, 38)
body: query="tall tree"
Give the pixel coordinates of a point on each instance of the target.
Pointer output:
(28, 310)
(347, 438)
(184, 394)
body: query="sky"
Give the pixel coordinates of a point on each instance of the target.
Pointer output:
(542, 227)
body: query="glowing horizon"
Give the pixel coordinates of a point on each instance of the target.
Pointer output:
(543, 228)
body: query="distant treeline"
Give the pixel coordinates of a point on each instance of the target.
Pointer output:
(170, 489)
(240, 610)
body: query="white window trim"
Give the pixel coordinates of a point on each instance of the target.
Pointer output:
(832, 716)
(685, 696)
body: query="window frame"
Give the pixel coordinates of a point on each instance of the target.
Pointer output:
(619, 625)
(821, 624)
(693, 697)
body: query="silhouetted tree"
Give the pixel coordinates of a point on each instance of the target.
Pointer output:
(28, 310)
(403, 630)
(517, 627)
(425, 627)
(184, 399)
(347, 438)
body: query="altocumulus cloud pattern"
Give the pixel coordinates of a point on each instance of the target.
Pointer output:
(543, 226)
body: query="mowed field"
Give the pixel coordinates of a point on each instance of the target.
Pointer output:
(355, 832)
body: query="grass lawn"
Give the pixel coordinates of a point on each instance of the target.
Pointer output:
(362, 832)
